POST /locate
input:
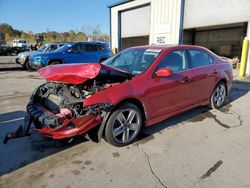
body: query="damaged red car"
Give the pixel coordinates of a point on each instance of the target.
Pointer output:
(138, 87)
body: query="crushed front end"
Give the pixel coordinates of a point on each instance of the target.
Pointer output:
(57, 110)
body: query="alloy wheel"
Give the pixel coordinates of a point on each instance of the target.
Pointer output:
(219, 95)
(126, 126)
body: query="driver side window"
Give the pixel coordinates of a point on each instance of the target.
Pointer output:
(79, 48)
(175, 60)
(75, 48)
(52, 48)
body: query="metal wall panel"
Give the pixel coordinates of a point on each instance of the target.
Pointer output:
(164, 21)
(200, 13)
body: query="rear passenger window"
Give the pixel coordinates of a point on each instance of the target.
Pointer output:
(199, 58)
(175, 60)
(83, 48)
(79, 48)
(92, 48)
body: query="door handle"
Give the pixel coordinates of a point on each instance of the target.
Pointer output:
(185, 79)
(212, 74)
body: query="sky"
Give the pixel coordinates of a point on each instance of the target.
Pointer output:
(55, 15)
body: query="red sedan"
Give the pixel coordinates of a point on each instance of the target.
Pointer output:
(138, 87)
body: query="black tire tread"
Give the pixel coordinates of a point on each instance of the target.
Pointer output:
(212, 104)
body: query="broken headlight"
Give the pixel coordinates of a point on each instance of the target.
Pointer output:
(98, 108)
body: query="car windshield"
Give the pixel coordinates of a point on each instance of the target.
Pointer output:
(134, 61)
(63, 48)
(42, 48)
(21, 41)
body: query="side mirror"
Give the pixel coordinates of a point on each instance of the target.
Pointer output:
(164, 72)
(70, 50)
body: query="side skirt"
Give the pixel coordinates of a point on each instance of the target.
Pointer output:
(165, 116)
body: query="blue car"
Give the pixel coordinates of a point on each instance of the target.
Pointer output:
(75, 52)
(24, 57)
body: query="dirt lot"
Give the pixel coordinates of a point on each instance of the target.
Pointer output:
(199, 148)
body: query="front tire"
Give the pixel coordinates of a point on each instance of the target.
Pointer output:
(218, 96)
(27, 65)
(123, 126)
(55, 63)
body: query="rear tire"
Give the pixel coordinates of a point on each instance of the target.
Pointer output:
(102, 60)
(123, 125)
(218, 96)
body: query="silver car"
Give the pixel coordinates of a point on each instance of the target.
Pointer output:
(23, 58)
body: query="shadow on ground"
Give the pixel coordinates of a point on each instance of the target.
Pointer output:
(3, 69)
(23, 151)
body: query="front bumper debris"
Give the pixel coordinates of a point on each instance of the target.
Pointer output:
(20, 61)
(22, 131)
(43, 117)
(57, 127)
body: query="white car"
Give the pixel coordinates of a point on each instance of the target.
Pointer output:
(23, 58)
(20, 43)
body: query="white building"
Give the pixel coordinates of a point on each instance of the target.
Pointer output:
(219, 25)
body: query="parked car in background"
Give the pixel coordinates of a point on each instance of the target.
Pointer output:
(10, 50)
(23, 58)
(20, 43)
(138, 87)
(75, 52)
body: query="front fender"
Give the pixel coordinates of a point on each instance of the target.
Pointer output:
(112, 95)
(226, 74)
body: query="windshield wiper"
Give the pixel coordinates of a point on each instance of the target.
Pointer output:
(119, 70)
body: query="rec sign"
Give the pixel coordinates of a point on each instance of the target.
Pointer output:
(161, 40)
(161, 31)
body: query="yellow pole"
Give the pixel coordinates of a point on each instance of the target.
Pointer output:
(114, 50)
(243, 60)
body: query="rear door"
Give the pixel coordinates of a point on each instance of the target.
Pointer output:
(204, 74)
(93, 53)
(168, 94)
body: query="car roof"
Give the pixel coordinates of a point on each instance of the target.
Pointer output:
(82, 42)
(50, 43)
(168, 46)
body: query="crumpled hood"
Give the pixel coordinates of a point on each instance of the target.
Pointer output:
(70, 73)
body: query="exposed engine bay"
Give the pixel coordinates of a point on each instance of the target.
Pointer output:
(56, 96)
(63, 101)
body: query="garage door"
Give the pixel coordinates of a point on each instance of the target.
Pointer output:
(200, 13)
(135, 22)
(224, 40)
